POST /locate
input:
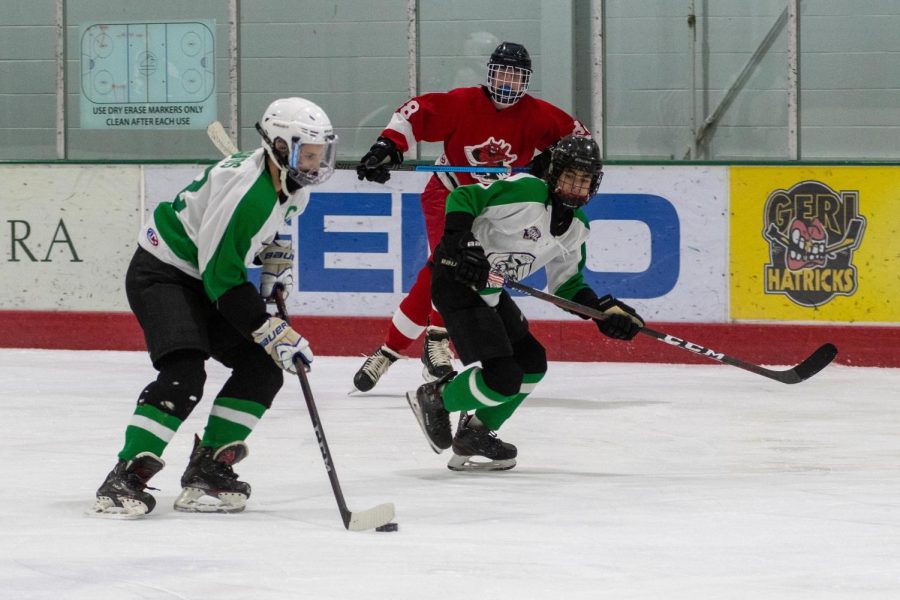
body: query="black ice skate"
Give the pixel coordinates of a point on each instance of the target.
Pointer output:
(436, 355)
(375, 366)
(428, 406)
(477, 442)
(209, 483)
(122, 493)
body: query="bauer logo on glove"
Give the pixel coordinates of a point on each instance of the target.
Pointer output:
(283, 344)
(277, 269)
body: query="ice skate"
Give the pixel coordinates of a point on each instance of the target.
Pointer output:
(122, 493)
(375, 366)
(436, 356)
(475, 448)
(433, 418)
(210, 484)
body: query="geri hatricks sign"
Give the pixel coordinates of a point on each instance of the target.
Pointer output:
(148, 75)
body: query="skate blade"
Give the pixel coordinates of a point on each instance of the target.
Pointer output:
(195, 500)
(417, 410)
(465, 463)
(105, 508)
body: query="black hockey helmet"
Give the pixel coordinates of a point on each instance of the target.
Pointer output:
(511, 54)
(574, 153)
(509, 73)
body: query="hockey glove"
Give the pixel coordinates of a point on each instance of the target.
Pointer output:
(277, 269)
(283, 344)
(374, 165)
(464, 255)
(623, 322)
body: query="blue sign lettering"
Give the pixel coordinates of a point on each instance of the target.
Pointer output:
(313, 242)
(661, 219)
(657, 213)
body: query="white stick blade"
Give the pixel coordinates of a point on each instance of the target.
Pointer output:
(372, 518)
(219, 138)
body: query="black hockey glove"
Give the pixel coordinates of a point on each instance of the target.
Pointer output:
(623, 322)
(464, 255)
(374, 165)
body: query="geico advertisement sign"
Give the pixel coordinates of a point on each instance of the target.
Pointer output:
(657, 239)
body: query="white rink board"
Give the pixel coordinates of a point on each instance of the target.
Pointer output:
(699, 197)
(363, 242)
(67, 235)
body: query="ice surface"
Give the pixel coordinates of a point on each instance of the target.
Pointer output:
(634, 481)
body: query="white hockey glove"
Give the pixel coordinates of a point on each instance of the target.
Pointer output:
(283, 344)
(277, 268)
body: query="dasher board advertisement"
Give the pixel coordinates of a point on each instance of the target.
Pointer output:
(658, 241)
(815, 244)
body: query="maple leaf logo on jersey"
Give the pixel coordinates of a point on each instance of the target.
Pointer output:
(491, 153)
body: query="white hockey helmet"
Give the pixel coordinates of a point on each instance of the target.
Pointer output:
(298, 136)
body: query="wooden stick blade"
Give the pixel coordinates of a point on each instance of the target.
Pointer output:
(220, 139)
(372, 518)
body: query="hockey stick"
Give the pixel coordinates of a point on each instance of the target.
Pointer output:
(851, 238)
(442, 168)
(469, 169)
(220, 139)
(353, 520)
(814, 363)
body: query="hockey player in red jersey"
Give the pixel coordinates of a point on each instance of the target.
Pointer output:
(493, 125)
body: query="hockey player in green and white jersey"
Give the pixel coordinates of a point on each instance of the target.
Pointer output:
(512, 228)
(187, 285)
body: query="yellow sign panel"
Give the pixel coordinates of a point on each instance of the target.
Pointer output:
(815, 243)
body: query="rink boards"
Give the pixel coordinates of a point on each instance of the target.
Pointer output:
(746, 256)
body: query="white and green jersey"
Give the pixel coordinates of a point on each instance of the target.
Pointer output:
(216, 225)
(512, 222)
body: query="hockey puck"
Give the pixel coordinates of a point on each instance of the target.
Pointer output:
(387, 527)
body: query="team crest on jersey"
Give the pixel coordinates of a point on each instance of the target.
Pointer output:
(490, 153)
(532, 233)
(512, 265)
(812, 232)
(152, 237)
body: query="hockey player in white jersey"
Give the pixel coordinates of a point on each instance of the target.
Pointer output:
(187, 285)
(511, 227)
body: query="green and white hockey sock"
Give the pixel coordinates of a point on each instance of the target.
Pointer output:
(150, 430)
(494, 416)
(468, 391)
(231, 420)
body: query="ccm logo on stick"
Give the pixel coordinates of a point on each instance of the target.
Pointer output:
(671, 339)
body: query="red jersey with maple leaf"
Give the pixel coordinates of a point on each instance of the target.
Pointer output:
(475, 133)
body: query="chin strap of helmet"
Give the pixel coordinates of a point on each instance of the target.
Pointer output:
(289, 184)
(281, 161)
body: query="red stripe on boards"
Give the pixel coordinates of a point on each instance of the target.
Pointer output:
(767, 344)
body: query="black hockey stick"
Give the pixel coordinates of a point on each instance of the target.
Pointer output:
(814, 363)
(354, 521)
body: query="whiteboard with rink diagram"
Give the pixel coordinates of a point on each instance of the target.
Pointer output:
(148, 75)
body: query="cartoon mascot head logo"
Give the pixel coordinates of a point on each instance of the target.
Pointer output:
(490, 153)
(812, 232)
